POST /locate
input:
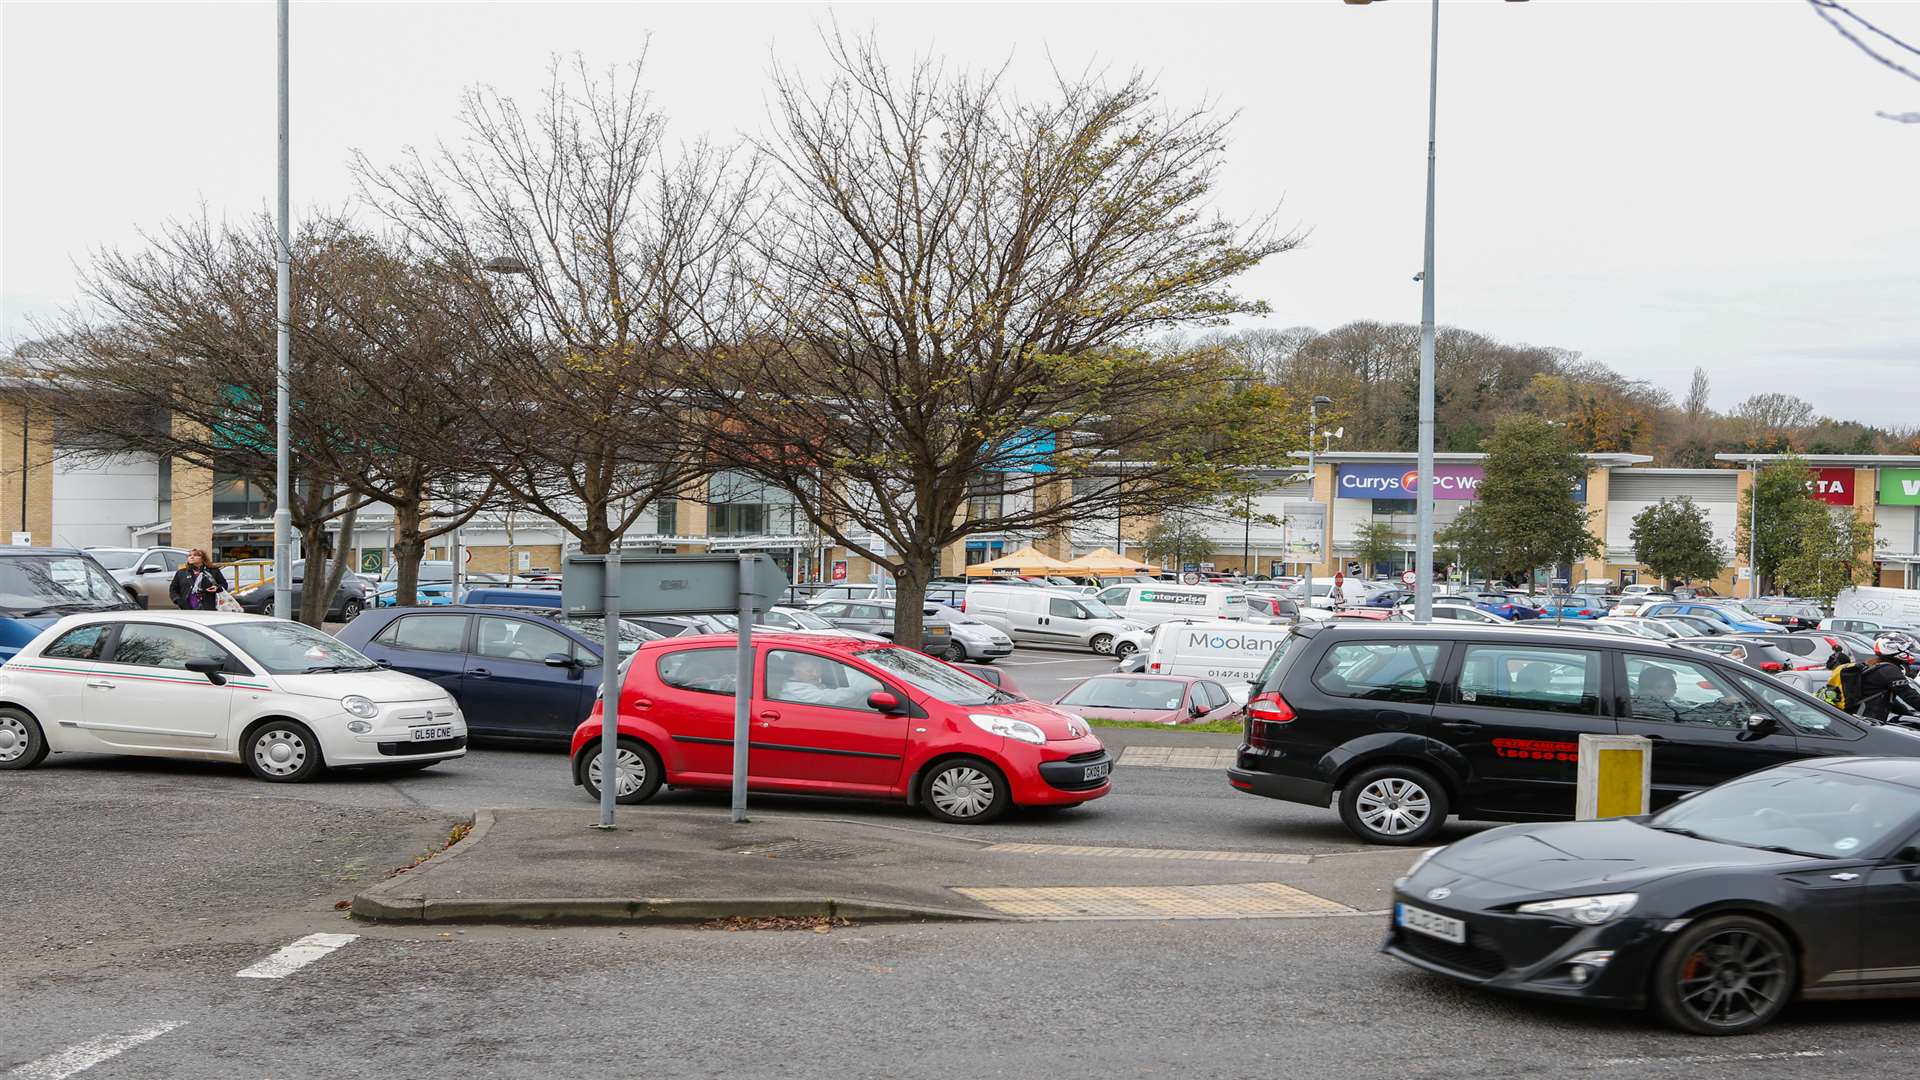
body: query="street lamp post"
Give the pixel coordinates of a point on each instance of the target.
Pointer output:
(1313, 438)
(283, 362)
(1423, 498)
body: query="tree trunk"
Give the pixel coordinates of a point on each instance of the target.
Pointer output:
(909, 595)
(409, 547)
(337, 570)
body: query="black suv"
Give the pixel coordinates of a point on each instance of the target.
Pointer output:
(1409, 724)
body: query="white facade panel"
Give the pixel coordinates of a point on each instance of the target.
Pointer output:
(1628, 494)
(98, 502)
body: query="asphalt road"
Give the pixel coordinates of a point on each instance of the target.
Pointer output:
(137, 891)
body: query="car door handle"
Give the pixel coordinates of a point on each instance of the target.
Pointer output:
(641, 703)
(768, 717)
(101, 684)
(479, 673)
(1460, 725)
(1844, 877)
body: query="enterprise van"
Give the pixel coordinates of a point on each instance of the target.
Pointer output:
(1156, 602)
(1233, 653)
(1036, 615)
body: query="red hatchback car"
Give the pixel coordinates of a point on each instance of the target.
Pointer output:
(841, 716)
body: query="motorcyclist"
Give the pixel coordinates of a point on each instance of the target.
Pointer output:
(1884, 682)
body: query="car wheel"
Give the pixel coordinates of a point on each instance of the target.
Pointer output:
(634, 762)
(351, 610)
(22, 743)
(956, 653)
(1724, 976)
(282, 752)
(965, 791)
(1102, 644)
(1124, 649)
(1393, 804)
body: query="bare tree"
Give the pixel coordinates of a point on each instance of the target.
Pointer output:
(174, 355)
(1696, 406)
(1774, 420)
(624, 276)
(956, 283)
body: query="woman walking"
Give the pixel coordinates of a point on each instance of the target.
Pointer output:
(197, 586)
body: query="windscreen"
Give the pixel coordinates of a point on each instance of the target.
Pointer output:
(930, 676)
(56, 585)
(1156, 695)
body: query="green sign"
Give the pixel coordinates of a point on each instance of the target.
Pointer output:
(372, 562)
(1900, 487)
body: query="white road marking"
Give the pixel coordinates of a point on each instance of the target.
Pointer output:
(1039, 663)
(83, 1056)
(1714, 1059)
(295, 956)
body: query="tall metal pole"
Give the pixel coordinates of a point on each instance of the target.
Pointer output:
(1313, 437)
(1423, 502)
(609, 685)
(742, 690)
(1753, 529)
(283, 369)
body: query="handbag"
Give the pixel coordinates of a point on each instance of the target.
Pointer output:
(224, 601)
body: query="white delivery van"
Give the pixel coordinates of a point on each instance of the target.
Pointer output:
(1152, 603)
(1046, 616)
(1231, 652)
(1885, 607)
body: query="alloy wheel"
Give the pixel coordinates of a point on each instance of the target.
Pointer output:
(962, 791)
(13, 738)
(279, 752)
(1393, 806)
(629, 770)
(956, 653)
(1102, 644)
(1732, 978)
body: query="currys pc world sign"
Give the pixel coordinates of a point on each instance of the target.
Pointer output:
(1402, 482)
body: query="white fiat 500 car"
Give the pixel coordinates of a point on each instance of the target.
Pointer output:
(282, 697)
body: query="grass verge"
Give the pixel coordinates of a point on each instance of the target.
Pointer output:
(1217, 727)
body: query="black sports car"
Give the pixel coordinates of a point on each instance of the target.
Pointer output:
(1800, 881)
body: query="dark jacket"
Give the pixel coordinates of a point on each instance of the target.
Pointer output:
(183, 585)
(1880, 684)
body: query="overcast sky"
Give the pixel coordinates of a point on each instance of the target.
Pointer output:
(1655, 184)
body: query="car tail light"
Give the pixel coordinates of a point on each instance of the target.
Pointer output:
(1266, 714)
(1772, 665)
(1832, 643)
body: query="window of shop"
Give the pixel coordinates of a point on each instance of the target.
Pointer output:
(741, 505)
(986, 497)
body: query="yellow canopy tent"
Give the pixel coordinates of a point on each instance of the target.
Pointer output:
(1025, 562)
(1105, 563)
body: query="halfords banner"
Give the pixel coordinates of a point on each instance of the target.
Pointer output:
(1402, 482)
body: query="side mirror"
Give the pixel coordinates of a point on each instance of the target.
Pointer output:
(881, 701)
(149, 570)
(1197, 709)
(1908, 854)
(211, 667)
(1759, 724)
(562, 660)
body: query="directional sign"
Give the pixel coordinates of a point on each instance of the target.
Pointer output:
(671, 584)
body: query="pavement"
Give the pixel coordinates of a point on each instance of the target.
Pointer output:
(665, 865)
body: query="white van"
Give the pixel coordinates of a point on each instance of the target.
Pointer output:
(1231, 652)
(1046, 616)
(1886, 607)
(1152, 603)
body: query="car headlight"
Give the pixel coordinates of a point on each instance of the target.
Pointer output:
(1425, 856)
(1585, 910)
(1008, 726)
(359, 706)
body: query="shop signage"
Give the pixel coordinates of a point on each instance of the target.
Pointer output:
(1900, 487)
(1455, 482)
(1832, 486)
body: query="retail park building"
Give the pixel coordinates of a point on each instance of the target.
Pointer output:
(51, 495)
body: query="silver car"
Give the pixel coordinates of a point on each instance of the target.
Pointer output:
(966, 638)
(145, 573)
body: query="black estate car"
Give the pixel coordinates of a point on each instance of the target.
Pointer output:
(1793, 882)
(1411, 724)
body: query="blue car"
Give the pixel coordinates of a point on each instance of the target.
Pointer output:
(426, 594)
(519, 673)
(1505, 606)
(38, 586)
(1730, 617)
(1571, 607)
(540, 598)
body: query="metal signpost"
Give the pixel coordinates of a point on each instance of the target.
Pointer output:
(738, 585)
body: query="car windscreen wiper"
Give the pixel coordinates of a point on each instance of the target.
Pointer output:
(1688, 833)
(319, 669)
